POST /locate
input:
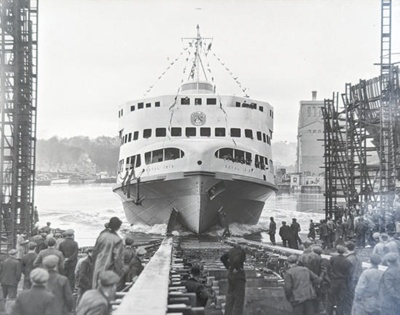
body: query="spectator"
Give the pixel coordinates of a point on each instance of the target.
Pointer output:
(310, 259)
(50, 250)
(299, 287)
(390, 286)
(322, 292)
(233, 261)
(21, 245)
(10, 274)
(70, 248)
(295, 229)
(107, 254)
(285, 234)
(360, 230)
(356, 270)
(340, 274)
(98, 301)
(46, 229)
(59, 286)
(37, 300)
(59, 239)
(85, 276)
(194, 285)
(366, 299)
(40, 241)
(128, 258)
(272, 230)
(311, 231)
(331, 232)
(324, 234)
(27, 264)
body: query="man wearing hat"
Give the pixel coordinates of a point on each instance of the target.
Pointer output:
(50, 250)
(85, 276)
(70, 248)
(59, 286)
(340, 275)
(390, 286)
(356, 270)
(97, 301)
(366, 300)
(10, 274)
(285, 234)
(272, 230)
(27, 264)
(21, 245)
(295, 229)
(107, 254)
(299, 287)
(37, 300)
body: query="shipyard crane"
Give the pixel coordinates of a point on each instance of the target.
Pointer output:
(18, 87)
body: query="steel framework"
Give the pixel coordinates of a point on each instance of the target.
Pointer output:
(18, 86)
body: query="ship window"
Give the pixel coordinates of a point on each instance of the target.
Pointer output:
(135, 135)
(138, 161)
(234, 155)
(157, 156)
(264, 138)
(248, 133)
(190, 132)
(132, 108)
(261, 108)
(245, 104)
(211, 101)
(268, 141)
(130, 137)
(225, 153)
(205, 132)
(220, 132)
(161, 132)
(122, 112)
(140, 105)
(147, 157)
(237, 104)
(147, 133)
(172, 154)
(197, 101)
(253, 106)
(239, 156)
(261, 162)
(125, 138)
(272, 166)
(120, 166)
(259, 136)
(157, 104)
(235, 132)
(148, 105)
(185, 101)
(176, 131)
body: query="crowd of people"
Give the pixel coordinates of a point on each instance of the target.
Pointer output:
(57, 282)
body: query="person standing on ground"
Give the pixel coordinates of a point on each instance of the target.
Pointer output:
(37, 300)
(70, 248)
(27, 264)
(310, 259)
(234, 261)
(59, 286)
(107, 254)
(360, 230)
(85, 276)
(295, 229)
(50, 250)
(10, 275)
(324, 234)
(366, 298)
(272, 230)
(46, 229)
(311, 231)
(97, 301)
(21, 245)
(356, 270)
(322, 292)
(299, 287)
(285, 234)
(390, 286)
(340, 275)
(331, 232)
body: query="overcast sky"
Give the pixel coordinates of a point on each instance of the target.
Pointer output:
(97, 54)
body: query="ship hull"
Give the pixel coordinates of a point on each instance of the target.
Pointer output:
(198, 200)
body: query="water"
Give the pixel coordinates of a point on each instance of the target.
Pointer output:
(86, 208)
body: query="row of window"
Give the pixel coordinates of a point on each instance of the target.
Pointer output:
(193, 132)
(168, 154)
(196, 101)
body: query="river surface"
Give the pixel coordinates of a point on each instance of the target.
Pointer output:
(86, 208)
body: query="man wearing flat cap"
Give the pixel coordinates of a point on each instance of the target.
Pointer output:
(390, 286)
(299, 287)
(27, 264)
(10, 274)
(37, 300)
(107, 254)
(70, 248)
(59, 286)
(50, 250)
(340, 275)
(97, 301)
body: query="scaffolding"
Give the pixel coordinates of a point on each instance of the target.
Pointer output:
(18, 86)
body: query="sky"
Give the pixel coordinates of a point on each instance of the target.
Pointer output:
(97, 54)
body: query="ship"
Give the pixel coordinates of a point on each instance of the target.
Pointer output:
(195, 158)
